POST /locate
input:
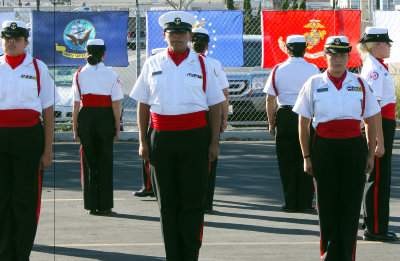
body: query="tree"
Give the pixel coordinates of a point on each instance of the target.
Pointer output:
(180, 4)
(285, 5)
(302, 5)
(229, 5)
(294, 5)
(248, 17)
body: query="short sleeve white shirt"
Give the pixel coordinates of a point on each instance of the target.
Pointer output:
(321, 101)
(290, 76)
(174, 90)
(19, 88)
(97, 79)
(380, 80)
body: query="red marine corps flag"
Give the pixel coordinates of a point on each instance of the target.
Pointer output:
(316, 26)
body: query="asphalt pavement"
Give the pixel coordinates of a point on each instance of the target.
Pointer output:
(247, 225)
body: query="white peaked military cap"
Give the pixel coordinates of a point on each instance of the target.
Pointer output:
(14, 29)
(177, 21)
(375, 34)
(337, 44)
(295, 38)
(99, 42)
(200, 30)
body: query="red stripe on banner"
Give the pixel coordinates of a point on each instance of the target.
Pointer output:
(19, 118)
(81, 157)
(315, 25)
(376, 194)
(187, 121)
(96, 100)
(148, 180)
(39, 199)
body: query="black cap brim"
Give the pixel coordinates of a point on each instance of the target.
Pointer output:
(377, 38)
(15, 33)
(181, 27)
(337, 50)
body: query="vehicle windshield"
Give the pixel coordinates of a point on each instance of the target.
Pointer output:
(62, 75)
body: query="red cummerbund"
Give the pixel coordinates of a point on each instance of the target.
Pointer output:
(179, 122)
(19, 118)
(96, 100)
(339, 129)
(389, 111)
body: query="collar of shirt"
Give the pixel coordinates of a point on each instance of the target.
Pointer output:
(295, 59)
(94, 67)
(381, 61)
(178, 58)
(377, 62)
(14, 61)
(337, 81)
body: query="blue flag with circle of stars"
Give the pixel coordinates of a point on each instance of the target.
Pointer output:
(225, 29)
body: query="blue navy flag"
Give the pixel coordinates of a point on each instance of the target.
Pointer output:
(59, 38)
(225, 29)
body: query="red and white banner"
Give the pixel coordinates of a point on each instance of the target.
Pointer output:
(315, 25)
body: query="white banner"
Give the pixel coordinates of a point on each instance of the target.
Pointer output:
(391, 20)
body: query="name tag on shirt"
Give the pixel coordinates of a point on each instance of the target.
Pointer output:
(194, 75)
(26, 76)
(322, 90)
(354, 88)
(156, 73)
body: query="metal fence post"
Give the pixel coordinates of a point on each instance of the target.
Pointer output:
(137, 39)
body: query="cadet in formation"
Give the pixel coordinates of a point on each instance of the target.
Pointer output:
(176, 89)
(27, 100)
(96, 121)
(282, 88)
(374, 47)
(337, 101)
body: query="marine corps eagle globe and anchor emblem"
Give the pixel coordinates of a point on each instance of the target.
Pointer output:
(316, 34)
(75, 36)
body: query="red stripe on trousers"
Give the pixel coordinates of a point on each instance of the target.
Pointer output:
(81, 157)
(376, 194)
(39, 199)
(148, 181)
(201, 231)
(353, 256)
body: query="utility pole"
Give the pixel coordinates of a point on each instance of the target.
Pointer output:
(38, 5)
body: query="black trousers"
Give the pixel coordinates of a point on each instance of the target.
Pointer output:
(96, 132)
(377, 188)
(297, 185)
(180, 162)
(146, 170)
(211, 184)
(339, 166)
(20, 190)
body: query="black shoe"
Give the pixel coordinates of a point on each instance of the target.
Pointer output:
(92, 212)
(143, 193)
(106, 212)
(208, 211)
(307, 210)
(387, 237)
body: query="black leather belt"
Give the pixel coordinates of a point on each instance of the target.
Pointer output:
(287, 107)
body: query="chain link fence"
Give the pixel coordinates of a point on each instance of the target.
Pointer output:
(246, 79)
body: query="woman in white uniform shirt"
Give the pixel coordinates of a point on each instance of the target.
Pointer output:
(96, 120)
(337, 101)
(26, 95)
(374, 47)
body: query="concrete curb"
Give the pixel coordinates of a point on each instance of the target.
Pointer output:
(231, 135)
(228, 135)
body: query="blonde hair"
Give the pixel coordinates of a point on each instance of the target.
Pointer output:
(365, 48)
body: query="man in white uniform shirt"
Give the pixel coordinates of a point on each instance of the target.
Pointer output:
(177, 89)
(282, 88)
